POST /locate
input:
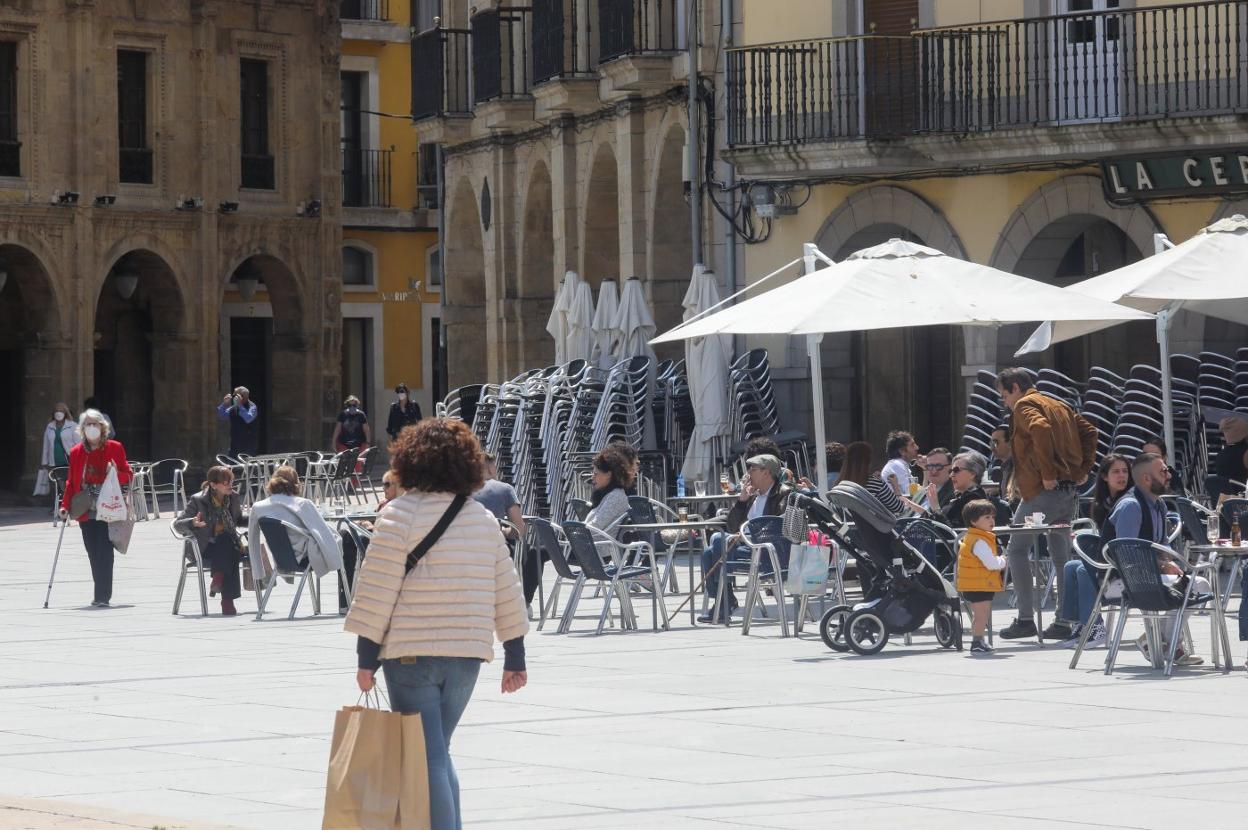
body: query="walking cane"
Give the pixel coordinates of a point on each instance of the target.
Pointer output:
(55, 559)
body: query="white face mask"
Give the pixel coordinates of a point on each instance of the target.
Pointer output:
(59, 416)
(402, 397)
(91, 433)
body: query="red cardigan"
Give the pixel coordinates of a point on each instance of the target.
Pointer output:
(95, 466)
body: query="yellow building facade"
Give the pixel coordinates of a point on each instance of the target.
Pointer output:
(1008, 133)
(391, 274)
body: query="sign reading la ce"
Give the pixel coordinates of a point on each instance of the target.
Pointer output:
(1208, 172)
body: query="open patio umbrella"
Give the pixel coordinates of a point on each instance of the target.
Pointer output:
(896, 284)
(604, 325)
(706, 367)
(634, 324)
(557, 323)
(1197, 275)
(580, 341)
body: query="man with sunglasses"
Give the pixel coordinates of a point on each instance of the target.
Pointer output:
(937, 480)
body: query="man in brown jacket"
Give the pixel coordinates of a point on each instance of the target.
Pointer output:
(1054, 450)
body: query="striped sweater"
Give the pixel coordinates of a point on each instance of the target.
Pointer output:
(457, 598)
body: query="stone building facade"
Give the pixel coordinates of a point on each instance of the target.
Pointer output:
(154, 154)
(564, 151)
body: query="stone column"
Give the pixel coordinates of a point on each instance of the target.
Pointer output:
(630, 159)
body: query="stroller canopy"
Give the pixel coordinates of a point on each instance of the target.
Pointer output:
(865, 507)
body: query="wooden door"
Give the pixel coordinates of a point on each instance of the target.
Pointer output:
(889, 66)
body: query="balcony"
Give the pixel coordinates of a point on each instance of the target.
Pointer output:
(440, 74)
(366, 177)
(565, 76)
(636, 40)
(374, 10)
(1088, 75)
(370, 20)
(502, 74)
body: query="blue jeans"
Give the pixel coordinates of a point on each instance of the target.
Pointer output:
(439, 688)
(1078, 592)
(713, 554)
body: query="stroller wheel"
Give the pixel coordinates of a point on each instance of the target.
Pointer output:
(865, 632)
(832, 627)
(948, 629)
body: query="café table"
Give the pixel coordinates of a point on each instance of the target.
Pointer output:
(1035, 530)
(1216, 552)
(705, 527)
(709, 498)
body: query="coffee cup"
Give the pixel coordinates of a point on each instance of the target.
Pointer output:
(1037, 518)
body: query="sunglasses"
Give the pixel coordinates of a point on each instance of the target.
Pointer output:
(958, 470)
(935, 467)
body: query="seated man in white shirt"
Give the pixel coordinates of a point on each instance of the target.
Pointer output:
(901, 449)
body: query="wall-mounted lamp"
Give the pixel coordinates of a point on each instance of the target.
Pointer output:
(227, 207)
(105, 200)
(65, 198)
(189, 203)
(126, 283)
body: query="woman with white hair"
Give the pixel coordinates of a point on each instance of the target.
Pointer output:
(966, 475)
(59, 437)
(88, 467)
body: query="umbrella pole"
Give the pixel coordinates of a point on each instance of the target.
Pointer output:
(813, 351)
(1167, 403)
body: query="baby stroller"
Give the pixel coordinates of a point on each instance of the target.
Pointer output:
(900, 588)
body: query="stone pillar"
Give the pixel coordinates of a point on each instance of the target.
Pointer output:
(564, 206)
(297, 396)
(181, 422)
(630, 159)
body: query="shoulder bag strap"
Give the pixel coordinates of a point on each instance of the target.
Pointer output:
(433, 535)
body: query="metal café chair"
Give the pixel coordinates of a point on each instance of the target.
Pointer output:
(763, 536)
(1144, 591)
(174, 470)
(546, 540)
(280, 537)
(191, 560)
(616, 578)
(1086, 545)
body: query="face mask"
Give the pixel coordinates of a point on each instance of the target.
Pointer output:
(60, 416)
(91, 433)
(402, 397)
(353, 408)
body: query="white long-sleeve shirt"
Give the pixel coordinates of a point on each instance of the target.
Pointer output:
(991, 561)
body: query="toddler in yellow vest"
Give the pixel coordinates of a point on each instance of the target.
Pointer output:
(980, 568)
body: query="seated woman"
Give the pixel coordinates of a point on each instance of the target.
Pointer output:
(286, 503)
(213, 516)
(614, 474)
(1079, 582)
(966, 475)
(857, 469)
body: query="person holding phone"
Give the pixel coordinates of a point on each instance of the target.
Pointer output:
(241, 411)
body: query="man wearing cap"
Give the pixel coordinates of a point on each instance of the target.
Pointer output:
(403, 412)
(762, 494)
(241, 411)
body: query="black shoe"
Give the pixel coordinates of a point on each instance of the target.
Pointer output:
(1018, 629)
(1057, 630)
(707, 616)
(979, 646)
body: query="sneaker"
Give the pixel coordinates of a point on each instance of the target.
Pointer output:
(979, 646)
(98, 603)
(1018, 630)
(1058, 630)
(1098, 636)
(1189, 660)
(1076, 631)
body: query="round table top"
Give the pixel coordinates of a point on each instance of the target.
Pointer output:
(1030, 528)
(707, 497)
(1226, 550)
(675, 525)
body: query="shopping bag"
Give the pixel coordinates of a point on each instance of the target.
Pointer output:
(119, 533)
(414, 779)
(808, 569)
(111, 505)
(365, 767)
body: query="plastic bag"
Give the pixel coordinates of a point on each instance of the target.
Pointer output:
(111, 505)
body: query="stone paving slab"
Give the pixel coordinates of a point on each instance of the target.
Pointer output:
(109, 717)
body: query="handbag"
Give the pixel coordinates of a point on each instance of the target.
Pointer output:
(119, 533)
(82, 501)
(794, 525)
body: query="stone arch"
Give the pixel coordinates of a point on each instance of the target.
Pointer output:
(141, 349)
(671, 238)
(919, 397)
(1066, 232)
(464, 317)
(33, 355)
(534, 290)
(276, 356)
(600, 235)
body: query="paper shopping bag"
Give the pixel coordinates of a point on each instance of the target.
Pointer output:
(365, 758)
(414, 782)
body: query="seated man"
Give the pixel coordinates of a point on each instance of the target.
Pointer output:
(763, 494)
(937, 484)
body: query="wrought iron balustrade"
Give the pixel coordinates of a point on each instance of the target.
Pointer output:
(364, 10)
(636, 27)
(501, 53)
(561, 44)
(440, 72)
(366, 177)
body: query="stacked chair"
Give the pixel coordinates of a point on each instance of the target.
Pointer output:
(1102, 401)
(753, 401)
(984, 413)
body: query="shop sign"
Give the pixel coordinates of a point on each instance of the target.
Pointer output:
(1195, 174)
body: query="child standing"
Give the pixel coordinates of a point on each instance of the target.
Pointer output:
(980, 568)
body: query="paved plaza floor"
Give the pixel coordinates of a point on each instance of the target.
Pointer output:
(132, 717)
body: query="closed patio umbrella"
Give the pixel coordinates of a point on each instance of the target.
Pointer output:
(580, 340)
(706, 367)
(604, 325)
(557, 323)
(896, 284)
(634, 324)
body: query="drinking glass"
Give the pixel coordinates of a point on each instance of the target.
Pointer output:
(699, 488)
(682, 513)
(724, 485)
(1213, 529)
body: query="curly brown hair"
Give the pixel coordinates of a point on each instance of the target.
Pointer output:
(620, 461)
(285, 482)
(438, 455)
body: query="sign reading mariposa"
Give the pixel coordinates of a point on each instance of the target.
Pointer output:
(1204, 173)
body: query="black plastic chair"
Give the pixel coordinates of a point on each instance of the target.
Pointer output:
(545, 536)
(1136, 561)
(583, 541)
(279, 537)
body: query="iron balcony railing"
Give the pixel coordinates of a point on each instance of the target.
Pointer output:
(366, 177)
(427, 176)
(561, 40)
(258, 172)
(501, 55)
(1113, 66)
(440, 72)
(364, 10)
(636, 27)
